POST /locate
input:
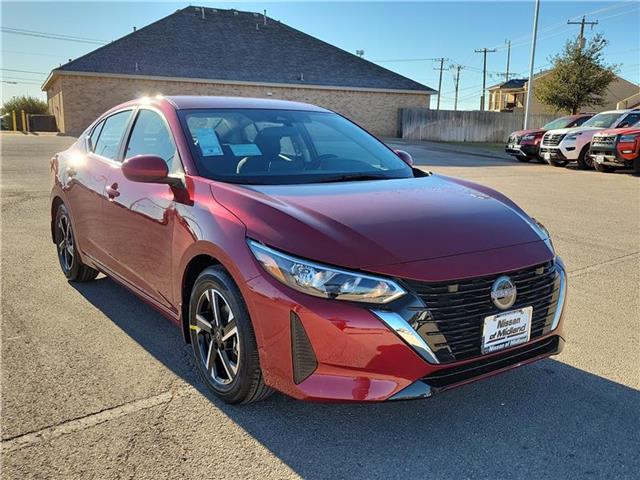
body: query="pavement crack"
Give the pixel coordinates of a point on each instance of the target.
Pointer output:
(589, 268)
(46, 434)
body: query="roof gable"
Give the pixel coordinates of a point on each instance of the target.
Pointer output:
(236, 46)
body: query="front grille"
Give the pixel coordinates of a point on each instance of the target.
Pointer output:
(603, 141)
(552, 140)
(453, 327)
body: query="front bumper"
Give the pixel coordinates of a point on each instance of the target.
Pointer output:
(482, 368)
(609, 156)
(359, 353)
(552, 153)
(522, 150)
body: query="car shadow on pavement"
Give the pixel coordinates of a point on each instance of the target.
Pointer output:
(544, 420)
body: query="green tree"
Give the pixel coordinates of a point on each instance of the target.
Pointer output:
(579, 77)
(30, 105)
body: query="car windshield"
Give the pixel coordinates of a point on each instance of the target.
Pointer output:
(286, 146)
(562, 122)
(602, 120)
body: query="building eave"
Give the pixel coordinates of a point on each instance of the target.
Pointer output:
(55, 73)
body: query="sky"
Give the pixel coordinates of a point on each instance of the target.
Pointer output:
(402, 36)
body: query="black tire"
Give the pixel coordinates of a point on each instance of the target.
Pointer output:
(557, 163)
(524, 159)
(636, 167)
(602, 168)
(585, 162)
(66, 247)
(246, 383)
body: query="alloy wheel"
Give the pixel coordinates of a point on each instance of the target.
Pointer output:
(218, 338)
(65, 243)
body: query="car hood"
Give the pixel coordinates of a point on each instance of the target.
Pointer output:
(619, 131)
(530, 131)
(368, 223)
(569, 131)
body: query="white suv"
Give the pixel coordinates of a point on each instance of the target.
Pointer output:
(565, 145)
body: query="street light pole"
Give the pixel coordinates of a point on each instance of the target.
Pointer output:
(531, 62)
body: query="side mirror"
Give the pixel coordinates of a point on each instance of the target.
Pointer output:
(405, 157)
(146, 169)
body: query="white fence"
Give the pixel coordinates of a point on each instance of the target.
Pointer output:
(458, 126)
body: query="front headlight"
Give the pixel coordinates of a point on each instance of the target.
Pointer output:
(324, 281)
(545, 234)
(573, 136)
(528, 137)
(627, 138)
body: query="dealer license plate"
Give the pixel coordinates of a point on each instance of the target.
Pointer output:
(547, 155)
(506, 329)
(600, 158)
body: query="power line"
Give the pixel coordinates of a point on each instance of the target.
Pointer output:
(22, 71)
(17, 52)
(53, 36)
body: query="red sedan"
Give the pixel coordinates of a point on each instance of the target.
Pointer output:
(299, 253)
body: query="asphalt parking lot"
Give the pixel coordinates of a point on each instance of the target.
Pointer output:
(96, 384)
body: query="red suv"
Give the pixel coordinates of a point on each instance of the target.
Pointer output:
(299, 253)
(525, 144)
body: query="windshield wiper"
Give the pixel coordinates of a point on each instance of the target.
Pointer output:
(348, 177)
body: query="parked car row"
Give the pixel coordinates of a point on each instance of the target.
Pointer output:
(605, 141)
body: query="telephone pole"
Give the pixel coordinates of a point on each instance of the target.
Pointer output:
(506, 77)
(484, 51)
(534, 37)
(456, 81)
(442, 59)
(582, 23)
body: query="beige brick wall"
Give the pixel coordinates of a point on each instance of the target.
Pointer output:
(56, 105)
(86, 97)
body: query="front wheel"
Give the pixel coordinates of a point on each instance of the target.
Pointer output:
(524, 159)
(585, 162)
(636, 167)
(223, 340)
(68, 256)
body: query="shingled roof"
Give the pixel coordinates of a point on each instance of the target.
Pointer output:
(235, 46)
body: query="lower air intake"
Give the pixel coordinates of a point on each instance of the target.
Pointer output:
(304, 359)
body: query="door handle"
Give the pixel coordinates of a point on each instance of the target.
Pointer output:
(112, 191)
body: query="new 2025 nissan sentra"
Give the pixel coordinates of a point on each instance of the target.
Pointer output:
(299, 253)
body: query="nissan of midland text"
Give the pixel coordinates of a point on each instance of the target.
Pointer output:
(298, 253)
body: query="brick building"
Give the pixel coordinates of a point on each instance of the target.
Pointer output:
(207, 51)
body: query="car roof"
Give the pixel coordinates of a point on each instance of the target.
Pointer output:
(183, 102)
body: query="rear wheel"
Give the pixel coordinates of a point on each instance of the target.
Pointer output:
(70, 262)
(585, 162)
(223, 340)
(603, 168)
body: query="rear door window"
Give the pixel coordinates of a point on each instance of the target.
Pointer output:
(108, 143)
